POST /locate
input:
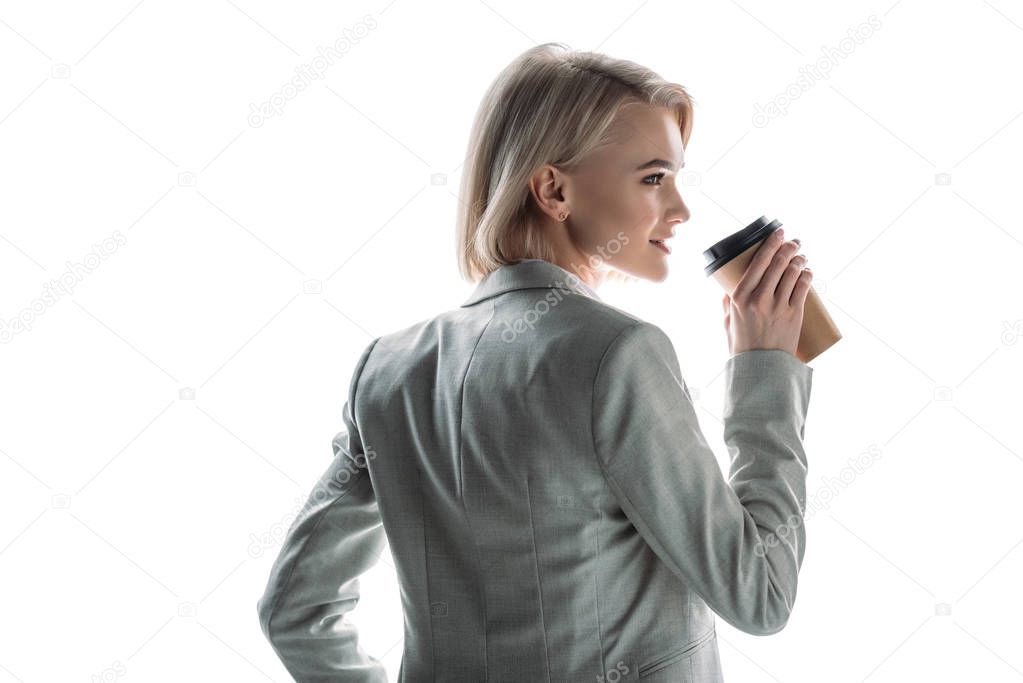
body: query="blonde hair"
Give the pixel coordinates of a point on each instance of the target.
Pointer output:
(551, 105)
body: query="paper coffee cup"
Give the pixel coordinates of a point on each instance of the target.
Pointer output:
(727, 261)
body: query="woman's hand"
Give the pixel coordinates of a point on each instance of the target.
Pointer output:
(765, 309)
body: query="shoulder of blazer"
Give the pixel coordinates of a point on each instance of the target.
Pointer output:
(359, 366)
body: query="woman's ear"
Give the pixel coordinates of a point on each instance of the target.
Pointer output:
(547, 188)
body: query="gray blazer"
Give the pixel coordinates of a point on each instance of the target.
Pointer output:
(534, 461)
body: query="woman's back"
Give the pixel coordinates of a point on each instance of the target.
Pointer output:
(551, 507)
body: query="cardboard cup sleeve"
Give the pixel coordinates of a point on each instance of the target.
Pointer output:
(727, 261)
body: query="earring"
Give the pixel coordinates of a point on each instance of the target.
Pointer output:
(562, 216)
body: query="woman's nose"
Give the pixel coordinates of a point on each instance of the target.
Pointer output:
(680, 212)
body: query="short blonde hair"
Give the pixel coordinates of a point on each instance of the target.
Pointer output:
(551, 105)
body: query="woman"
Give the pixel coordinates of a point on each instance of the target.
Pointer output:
(533, 457)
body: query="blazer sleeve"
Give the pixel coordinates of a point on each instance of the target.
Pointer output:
(314, 582)
(738, 543)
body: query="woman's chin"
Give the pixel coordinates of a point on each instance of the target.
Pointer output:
(653, 270)
(660, 276)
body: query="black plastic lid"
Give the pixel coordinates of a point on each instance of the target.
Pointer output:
(724, 251)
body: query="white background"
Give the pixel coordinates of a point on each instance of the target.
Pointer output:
(176, 403)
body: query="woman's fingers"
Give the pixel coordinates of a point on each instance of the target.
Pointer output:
(801, 289)
(758, 265)
(788, 277)
(768, 286)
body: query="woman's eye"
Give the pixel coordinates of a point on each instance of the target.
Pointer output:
(656, 175)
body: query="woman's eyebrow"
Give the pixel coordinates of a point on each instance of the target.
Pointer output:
(658, 163)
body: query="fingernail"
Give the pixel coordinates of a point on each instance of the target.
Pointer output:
(796, 240)
(779, 234)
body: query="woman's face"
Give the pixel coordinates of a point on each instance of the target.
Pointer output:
(618, 199)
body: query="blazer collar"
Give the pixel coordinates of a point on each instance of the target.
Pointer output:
(529, 274)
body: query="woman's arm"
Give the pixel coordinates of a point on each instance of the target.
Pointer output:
(314, 581)
(738, 543)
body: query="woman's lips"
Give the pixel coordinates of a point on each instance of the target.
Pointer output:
(661, 245)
